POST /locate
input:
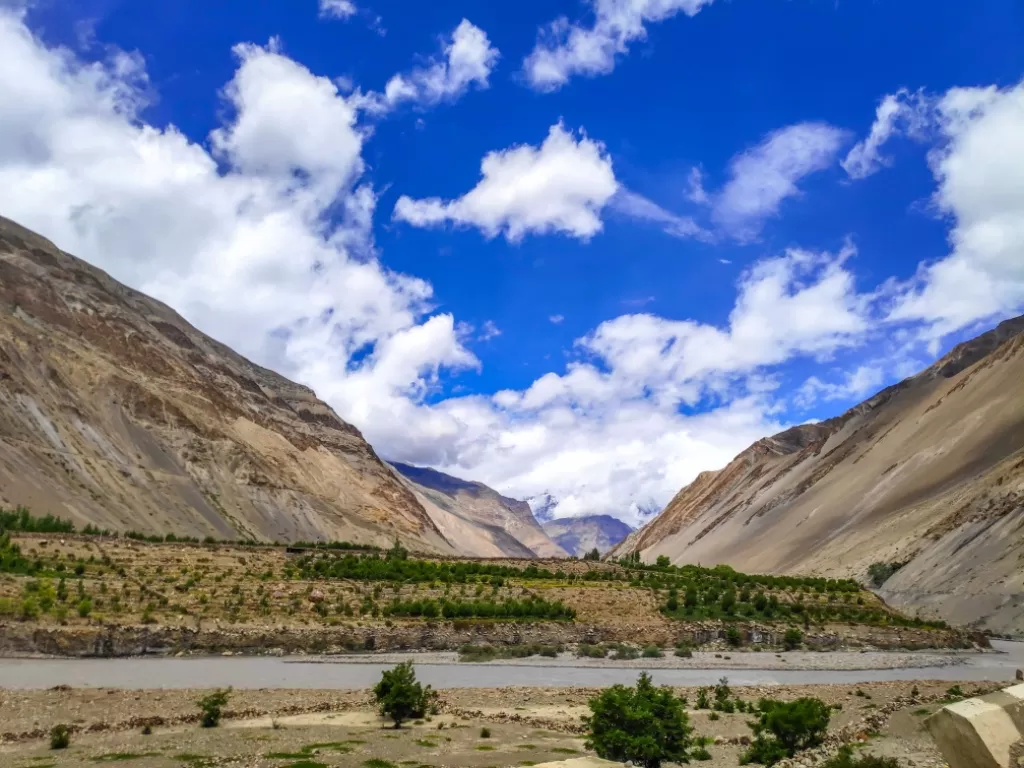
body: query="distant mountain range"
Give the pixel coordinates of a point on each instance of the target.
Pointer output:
(928, 473)
(580, 535)
(476, 519)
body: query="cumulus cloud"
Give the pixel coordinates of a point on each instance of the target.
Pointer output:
(559, 187)
(337, 9)
(764, 176)
(978, 164)
(900, 113)
(565, 49)
(264, 244)
(557, 319)
(467, 59)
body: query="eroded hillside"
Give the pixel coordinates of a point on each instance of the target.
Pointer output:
(929, 472)
(115, 411)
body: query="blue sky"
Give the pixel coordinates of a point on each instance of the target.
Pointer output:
(704, 220)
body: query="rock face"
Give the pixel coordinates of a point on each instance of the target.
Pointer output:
(579, 535)
(983, 732)
(477, 519)
(928, 472)
(115, 411)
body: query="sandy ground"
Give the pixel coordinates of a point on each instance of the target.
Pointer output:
(307, 729)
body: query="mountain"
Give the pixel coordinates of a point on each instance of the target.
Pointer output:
(579, 535)
(115, 411)
(478, 519)
(928, 473)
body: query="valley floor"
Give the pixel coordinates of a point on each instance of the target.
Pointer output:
(277, 728)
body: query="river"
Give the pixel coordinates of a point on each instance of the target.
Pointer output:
(334, 673)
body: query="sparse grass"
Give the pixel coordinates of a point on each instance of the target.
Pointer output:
(526, 746)
(922, 712)
(484, 748)
(375, 762)
(565, 751)
(426, 743)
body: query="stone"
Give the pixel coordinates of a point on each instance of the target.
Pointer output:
(317, 596)
(980, 732)
(1020, 675)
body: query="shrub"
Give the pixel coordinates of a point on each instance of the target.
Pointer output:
(644, 724)
(683, 651)
(84, 607)
(846, 759)
(733, 637)
(652, 652)
(485, 733)
(584, 650)
(700, 753)
(400, 696)
(785, 728)
(60, 737)
(702, 699)
(793, 639)
(625, 652)
(879, 573)
(212, 707)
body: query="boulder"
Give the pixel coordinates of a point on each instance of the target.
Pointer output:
(980, 732)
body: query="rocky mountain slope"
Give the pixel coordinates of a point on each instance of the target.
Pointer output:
(477, 519)
(115, 411)
(929, 472)
(579, 535)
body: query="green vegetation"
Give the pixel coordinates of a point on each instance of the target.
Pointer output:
(530, 608)
(212, 707)
(793, 639)
(785, 728)
(400, 696)
(644, 724)
(118, 757)
(879, 573)
(652, 652)
(846, 759)
(485, 733)
(491, 652)
(60, 737)
(593, 555)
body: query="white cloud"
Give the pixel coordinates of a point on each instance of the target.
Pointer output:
(557, 319)
(695, 187)
(856, 385)
(269, 250)
(565, 49)
(901, 113)
(639, 207)
(763, 177)
(468, 60)
(337, 9)
(979, 166)
(561, 186)
(489, 331)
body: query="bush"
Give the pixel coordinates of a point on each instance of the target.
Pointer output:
(793, 639)
(212, 707)
(625, 652)
(60, 737)
(700, 753)
(879, 573)
(400, 696)
(586, 651)
(485, 733)
(652, 652)
(845, 759)
(84, 607)
(645, 725)
(785, 728)
(733, 637)
(683, 651)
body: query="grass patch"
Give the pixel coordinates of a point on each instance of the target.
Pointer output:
(426, 743)
(344, 747)
(922, 712)
(195, 761)
(566, 751)
(484, 748)
(377, 763)
(526, 746)
(307, 764)
(116, 757)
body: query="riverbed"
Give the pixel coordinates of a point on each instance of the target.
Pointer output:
(341, 673)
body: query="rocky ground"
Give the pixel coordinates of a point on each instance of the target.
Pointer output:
(306, 729)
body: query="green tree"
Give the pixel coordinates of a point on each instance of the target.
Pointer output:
(645, 725)
(400, 696)
(593, 554)
(60, 737)
(793, 639)
(733, 637)
(662, 562)
(212, 707)
(785, 728)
